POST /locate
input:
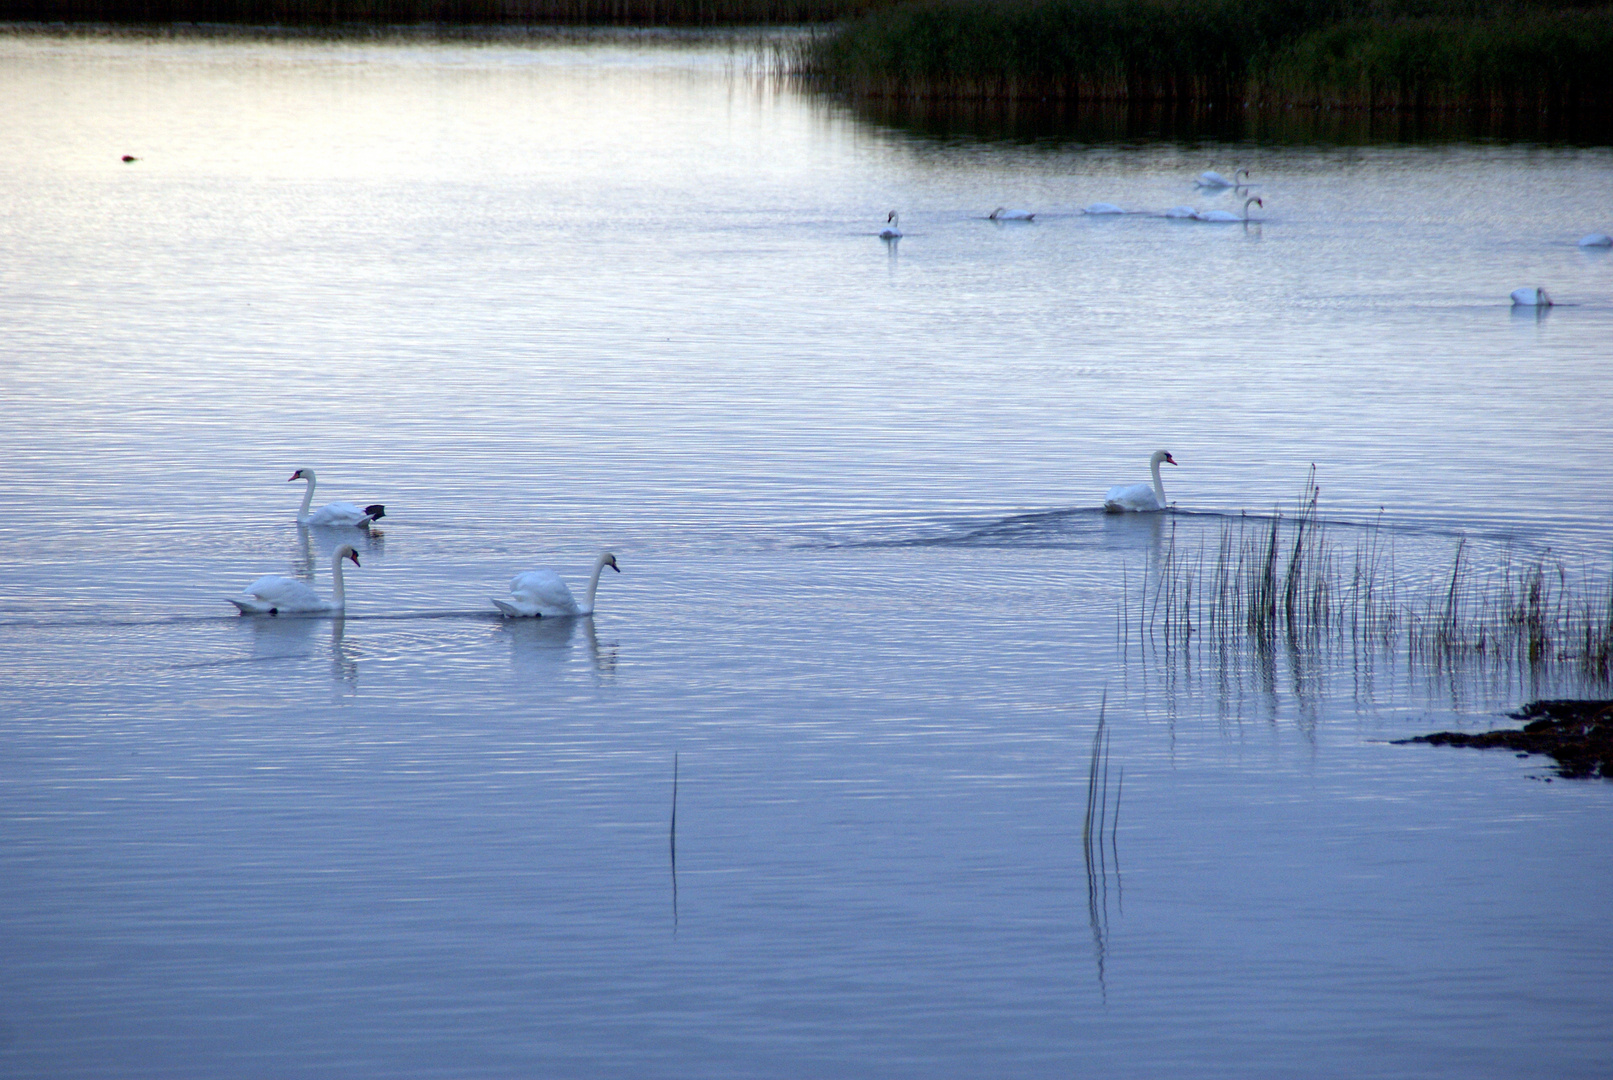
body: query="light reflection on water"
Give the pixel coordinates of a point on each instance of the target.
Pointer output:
(540, 301)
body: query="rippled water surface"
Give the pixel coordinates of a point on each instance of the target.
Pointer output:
(543, 299)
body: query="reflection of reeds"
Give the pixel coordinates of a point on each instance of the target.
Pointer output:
(1283, 580)
(1098, 857)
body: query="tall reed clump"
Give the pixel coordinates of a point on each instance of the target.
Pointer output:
(1283, 581)
(439, 13)
(1374, 53)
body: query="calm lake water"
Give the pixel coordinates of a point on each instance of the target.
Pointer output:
(541, 299)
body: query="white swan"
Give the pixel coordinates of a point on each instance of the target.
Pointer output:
(893, 227)
(1181, 212)
(336, 513)
(1213, 180)
(1140, 497)
(1220, 216)
(276, 595)
(541, 592)
(1103, 208)
(1535, 297)
(1596, 239)
(1004, 214)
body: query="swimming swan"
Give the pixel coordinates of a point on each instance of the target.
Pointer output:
(1535, 297)
(1213, 180)
(1596, 239)
(1182, 213)
(1004, 214)
(541, 592)
(276, 595)
(893, 227)
(1140, 497)
(1220, 216)
(336, 513)
(1103, 208)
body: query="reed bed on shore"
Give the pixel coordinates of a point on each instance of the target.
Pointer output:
(1285, 581)
(456, 13)
(1411, 54)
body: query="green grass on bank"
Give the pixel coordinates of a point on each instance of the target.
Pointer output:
(1385, 53)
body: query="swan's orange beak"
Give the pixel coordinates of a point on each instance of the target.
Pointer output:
(354, 556)
(295, 476)
(1169, 460)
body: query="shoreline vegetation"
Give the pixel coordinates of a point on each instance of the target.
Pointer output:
(1285, 583)
(1546, 57)
(441, 15)
(1416, 55)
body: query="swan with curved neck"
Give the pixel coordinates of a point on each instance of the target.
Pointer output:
(1213, 180)
(336, 513)
(1228, 215)
(539, 593)
(893, 227)
(277, 595)
(1140, 498)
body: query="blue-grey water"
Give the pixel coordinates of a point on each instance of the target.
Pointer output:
(542, 299)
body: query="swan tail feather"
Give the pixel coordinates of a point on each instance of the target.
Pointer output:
(510, 610)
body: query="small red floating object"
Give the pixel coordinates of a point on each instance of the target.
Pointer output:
(130, 157)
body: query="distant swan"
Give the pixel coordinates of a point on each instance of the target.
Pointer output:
(1103, 208)
(1227, 215)
(1214, 180)
(276, 595)
(541, 592)
(1181, 212)
(336, 513)
(1596, 239)
(893, 227)
(1531, 298)
(1004, 214)
(1140, 497)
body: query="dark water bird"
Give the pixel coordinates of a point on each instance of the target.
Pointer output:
(128, 158)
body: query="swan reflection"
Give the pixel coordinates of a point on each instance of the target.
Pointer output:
(542, 646)
(343, 663)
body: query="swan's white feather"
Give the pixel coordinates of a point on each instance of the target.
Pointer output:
(339, 513)
(546, 590)
(1103, 208)
(273, 592)
(542, 592)
(1134, 497)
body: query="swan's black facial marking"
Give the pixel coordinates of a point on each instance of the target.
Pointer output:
(376, 511)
